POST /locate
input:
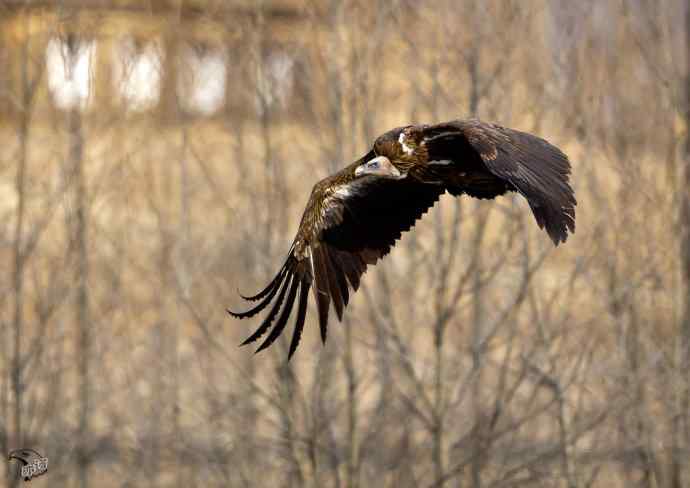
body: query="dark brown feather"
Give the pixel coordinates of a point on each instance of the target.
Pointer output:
(273, 289)
(266, 324)
(333, 288)
(284, 316)
(273, 284)
(321, 294)
(352, 266)
(301, 315)
(339, 273)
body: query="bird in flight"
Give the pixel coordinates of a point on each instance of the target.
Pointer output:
(354, 217)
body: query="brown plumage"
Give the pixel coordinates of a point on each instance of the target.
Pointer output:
(354, 217)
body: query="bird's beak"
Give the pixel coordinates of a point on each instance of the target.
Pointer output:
(385, 168)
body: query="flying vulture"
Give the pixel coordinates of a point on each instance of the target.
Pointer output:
(354, 217)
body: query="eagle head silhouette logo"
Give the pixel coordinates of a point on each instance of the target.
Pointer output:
(31, 462)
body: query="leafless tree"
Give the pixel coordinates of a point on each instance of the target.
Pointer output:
(474, 355)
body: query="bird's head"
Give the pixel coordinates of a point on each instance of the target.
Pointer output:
(403, 146)
(379, 166)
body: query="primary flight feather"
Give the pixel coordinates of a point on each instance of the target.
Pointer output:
(354, 217)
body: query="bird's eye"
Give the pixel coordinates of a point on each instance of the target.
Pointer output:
(373, 164)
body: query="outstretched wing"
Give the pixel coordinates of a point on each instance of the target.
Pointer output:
(345, 228)
(533, 167)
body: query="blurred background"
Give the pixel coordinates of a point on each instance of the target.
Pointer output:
(155, 156)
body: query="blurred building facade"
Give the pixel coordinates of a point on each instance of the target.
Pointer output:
(171, 58)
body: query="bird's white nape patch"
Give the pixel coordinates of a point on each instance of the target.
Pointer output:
(441, 162)
(407, 149)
